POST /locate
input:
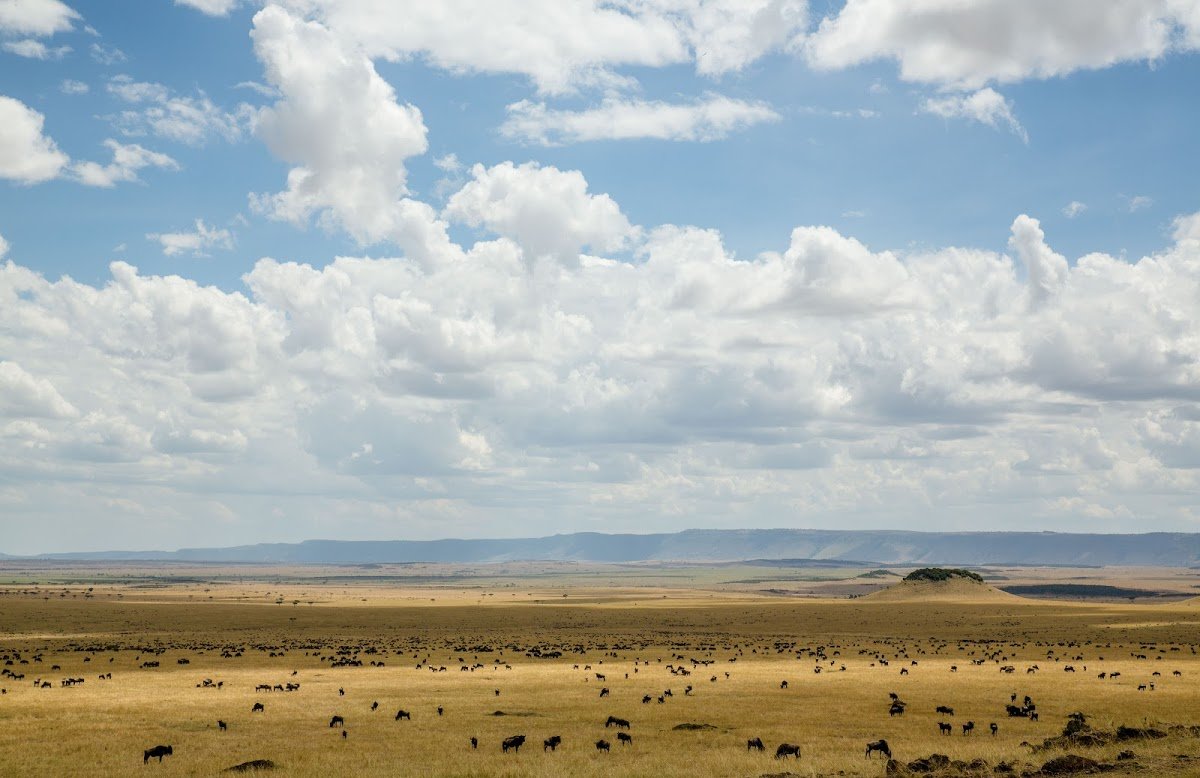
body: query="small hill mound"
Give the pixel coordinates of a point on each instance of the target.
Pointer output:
(936, 583)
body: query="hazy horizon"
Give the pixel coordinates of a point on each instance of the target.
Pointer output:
(275, 271)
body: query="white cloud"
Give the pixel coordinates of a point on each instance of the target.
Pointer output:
(1138, 203)
(24, 395)
(987, 106)
(26, 155)
(828, 380)
(3, 247)
(563, 46)
(128, 160)
(711, 118)
(190, 120)
(1073, 209)
(107, 55)
(966, 45)
(547, 211)
(197, 242)
(72, 87)
(33, 49)
(211, 7)
(339, 123)
(36, 17)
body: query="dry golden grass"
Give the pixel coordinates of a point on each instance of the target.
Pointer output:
(101, 727)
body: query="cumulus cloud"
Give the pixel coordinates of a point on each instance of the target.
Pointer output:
(197, 242)
(160, 111)
(987, 106)
(564, 46)
(27, 156)
(547, 211)
(34, 49)
(24, 395)
(36, 17)
(72, 87)
(339, 123)
(711, 118)
(128, 160)
(966, 45)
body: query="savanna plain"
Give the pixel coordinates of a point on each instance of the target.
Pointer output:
(102, 662)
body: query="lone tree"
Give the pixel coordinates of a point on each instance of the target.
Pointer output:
(942, 574)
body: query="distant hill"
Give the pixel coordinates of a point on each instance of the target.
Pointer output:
(814, 547)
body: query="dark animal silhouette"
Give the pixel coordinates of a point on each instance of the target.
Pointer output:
(337, 721)
(897, 709)
(968, 728)
(783, 684)
(944, 709)
(624, 739)
(755, 744)
(515, 742)
(222, 726)
(159, 751)
(787, 749)
(621, 723)
(258, 708)
(646, 699)
(881, 746)
(604, 692)
(474, 742)
(946, 727)
(403, 714)
(552, 743)
(375, 706)
(994, 727)
(603, 745)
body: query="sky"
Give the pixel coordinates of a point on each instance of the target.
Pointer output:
(389, 269)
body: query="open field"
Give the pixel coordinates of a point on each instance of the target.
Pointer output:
(487, 625)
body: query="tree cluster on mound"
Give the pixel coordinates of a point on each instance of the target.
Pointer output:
(942, 574)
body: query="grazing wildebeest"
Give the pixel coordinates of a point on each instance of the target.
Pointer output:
(222, 726)
(881, 746)
(599, 677)
(604, 692)
(403, 714)
(375, 706)
(258, 708)
(603, 745)
(624, 739)
(515, 742)
(897, 709)
(474, 742)
(755, 744)
(945, 727)
(1033, 716)
(337, 721)
(994, 727)
(968, 728)
(646, 699)
(944, 709)
(159, 751)
(783, 684)
(621, 723)
(552, 743)
(787, 749)
(1014, 711)
(341, 692)
(440, 710)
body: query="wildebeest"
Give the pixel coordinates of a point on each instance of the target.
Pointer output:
(159, 751)
(783, 684)
(945, 727)
(603, 745)
(755, 744)
(994, 727)
(897, 709)
(620, 723)
(474, 742)
(968, 728)
(624, 739)
(604, 692)
(375, 706)
(515, 742)
(646, 699)
(944, 709)
(787, 749)
(258, 708)
(337, 721)
(552, 742)
(881, 746)
(403, 714)
(222, 726)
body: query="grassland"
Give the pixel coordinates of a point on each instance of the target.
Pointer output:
(242, 627)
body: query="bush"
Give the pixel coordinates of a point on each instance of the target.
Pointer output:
(942, 574)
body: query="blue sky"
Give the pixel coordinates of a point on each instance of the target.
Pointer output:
(875, 241)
